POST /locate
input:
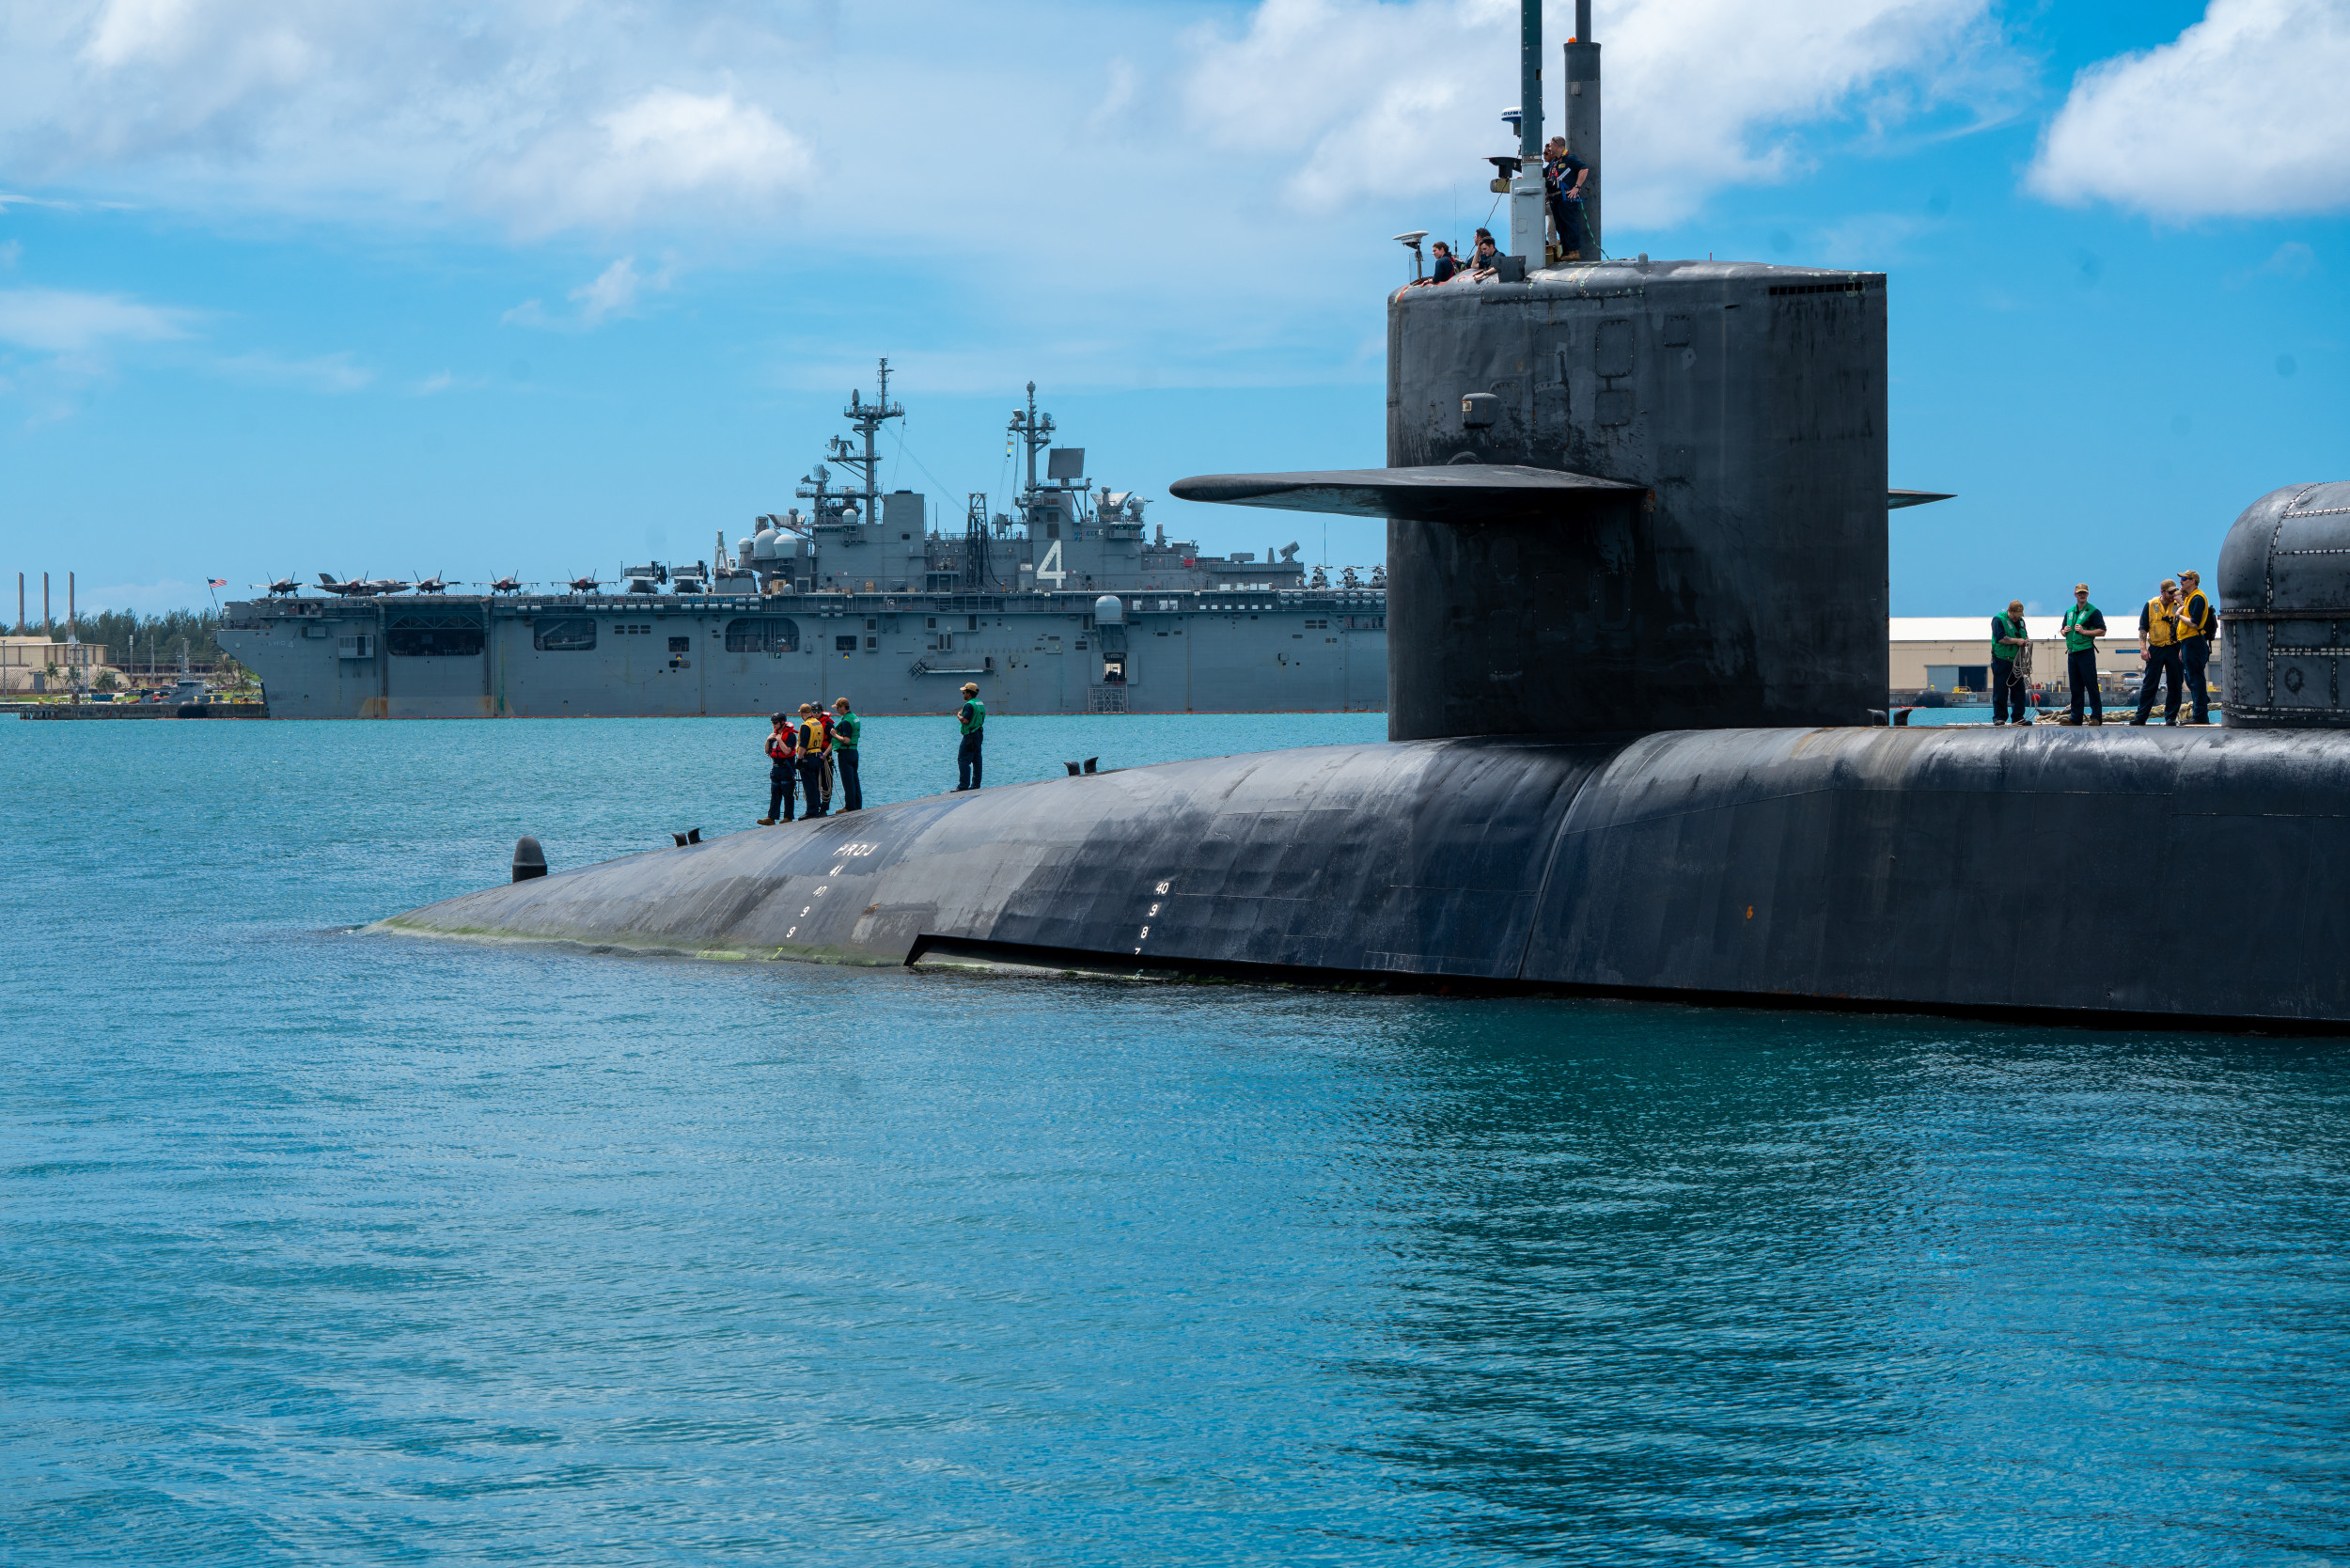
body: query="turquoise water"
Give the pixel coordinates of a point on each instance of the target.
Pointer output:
(332, 1248)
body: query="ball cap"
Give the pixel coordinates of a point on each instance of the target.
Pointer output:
(2080, 588)
(971, 688)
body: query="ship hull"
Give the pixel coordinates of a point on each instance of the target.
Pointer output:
(646, 656)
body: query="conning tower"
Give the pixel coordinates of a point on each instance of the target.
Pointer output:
(1729, 567)
(1626, 496)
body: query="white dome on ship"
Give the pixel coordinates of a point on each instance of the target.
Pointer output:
(763, 545)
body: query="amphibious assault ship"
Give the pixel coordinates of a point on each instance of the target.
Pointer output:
(1060, 606)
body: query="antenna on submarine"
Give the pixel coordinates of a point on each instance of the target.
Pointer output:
(1583, 116)
(1528, 225)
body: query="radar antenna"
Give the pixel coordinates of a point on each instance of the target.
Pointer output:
(1035, 430)
(867, 420)
(1065, 488)
(816, 487)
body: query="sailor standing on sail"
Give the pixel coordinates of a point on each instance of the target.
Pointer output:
(972, 718)
(1564, 175)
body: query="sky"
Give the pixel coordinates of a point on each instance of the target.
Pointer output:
(544, 285)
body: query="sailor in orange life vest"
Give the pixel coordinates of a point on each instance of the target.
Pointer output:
(812, 748)
(783, 762)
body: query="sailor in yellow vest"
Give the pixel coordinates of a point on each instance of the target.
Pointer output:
(814, 743)
(2158, 644)
(2198, 624)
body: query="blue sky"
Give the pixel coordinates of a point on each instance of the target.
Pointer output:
(538, 286)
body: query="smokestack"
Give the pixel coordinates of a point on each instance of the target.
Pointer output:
(21, 630)
(45, 605)
(69, 615)
(1528, 221)
(1583, 115)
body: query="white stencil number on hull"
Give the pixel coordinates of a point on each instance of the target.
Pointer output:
(1051, 570)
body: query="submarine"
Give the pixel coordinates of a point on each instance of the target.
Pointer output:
(1637, 517)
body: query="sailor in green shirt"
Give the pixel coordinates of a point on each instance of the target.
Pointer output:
(972, 719)
(2011, 666)
(2084, 623)
(846, 727)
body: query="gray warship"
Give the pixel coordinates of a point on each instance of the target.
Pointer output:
(1059, 605)
(1629, 754)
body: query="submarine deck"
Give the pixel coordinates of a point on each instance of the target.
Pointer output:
(1859, 867)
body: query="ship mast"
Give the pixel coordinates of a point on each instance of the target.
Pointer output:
(1035, 430)
(866, 420)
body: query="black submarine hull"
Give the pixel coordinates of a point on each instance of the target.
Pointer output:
(2155, 873)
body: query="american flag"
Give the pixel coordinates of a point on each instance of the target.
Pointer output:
(216, 582)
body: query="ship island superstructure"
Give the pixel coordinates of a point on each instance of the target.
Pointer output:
(1059, 605)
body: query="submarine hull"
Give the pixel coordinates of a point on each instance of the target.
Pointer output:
(2170, 874)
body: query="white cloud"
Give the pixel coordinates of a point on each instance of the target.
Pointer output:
(329, 374)
(610, 295)
(63, 321)
(1119, 86)
(1375, 99)
(2244, 114)
(615, 290)
(2292, 261)
(1039, 167)
(542, 114)
(663, 146)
